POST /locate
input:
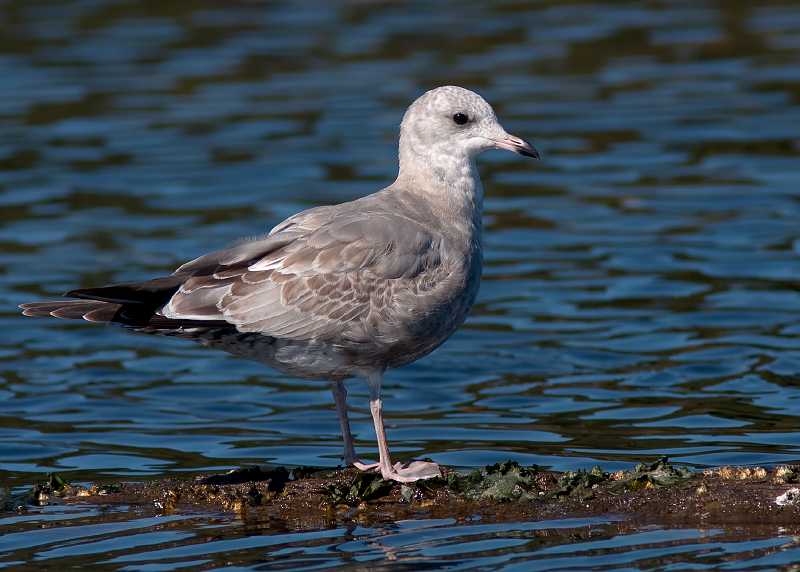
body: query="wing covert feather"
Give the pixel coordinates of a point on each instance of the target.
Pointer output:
(311, 284)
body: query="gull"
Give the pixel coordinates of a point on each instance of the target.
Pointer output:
(339, 291)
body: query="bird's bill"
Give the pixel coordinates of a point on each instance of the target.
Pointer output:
(517, 145)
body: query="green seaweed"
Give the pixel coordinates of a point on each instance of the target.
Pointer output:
(579, 485)
(33, 496)
(502, 482)
(55, 483)
(364, 487)
(659, 474)
(419, 490)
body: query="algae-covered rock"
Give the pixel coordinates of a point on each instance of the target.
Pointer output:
(276, 478)
(253, 496)
(501, 482)
(657, 475)
(420, 490)
(468, 485)
(36, 495)
(579, 485)
(364, 487)
(253, 488)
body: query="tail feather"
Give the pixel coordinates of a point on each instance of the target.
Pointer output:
(100, 305)
(135, 305)
(89, 310)
(155, 292)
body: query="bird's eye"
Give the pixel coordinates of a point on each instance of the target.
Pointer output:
(460, 118)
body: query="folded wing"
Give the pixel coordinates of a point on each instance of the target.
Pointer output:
(337, 279)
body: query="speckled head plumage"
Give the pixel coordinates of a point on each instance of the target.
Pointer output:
(454, 121)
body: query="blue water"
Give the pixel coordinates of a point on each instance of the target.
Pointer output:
(640, 294)
(118, 540)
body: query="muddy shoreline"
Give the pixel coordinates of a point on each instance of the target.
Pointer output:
(306, 498)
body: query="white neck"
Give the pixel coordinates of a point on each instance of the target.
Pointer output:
(451, 185)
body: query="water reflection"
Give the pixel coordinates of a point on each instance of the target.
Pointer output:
(111, 539)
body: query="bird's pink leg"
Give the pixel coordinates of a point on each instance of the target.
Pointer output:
(404, 473)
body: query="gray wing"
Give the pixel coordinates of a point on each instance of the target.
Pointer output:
(318, 275)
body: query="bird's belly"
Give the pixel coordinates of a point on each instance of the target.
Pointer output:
(306, 359)
(418, 320)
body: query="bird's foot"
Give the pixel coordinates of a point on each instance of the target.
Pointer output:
(412, 471)
(364, 466)
(351, 460)
(400, 472)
